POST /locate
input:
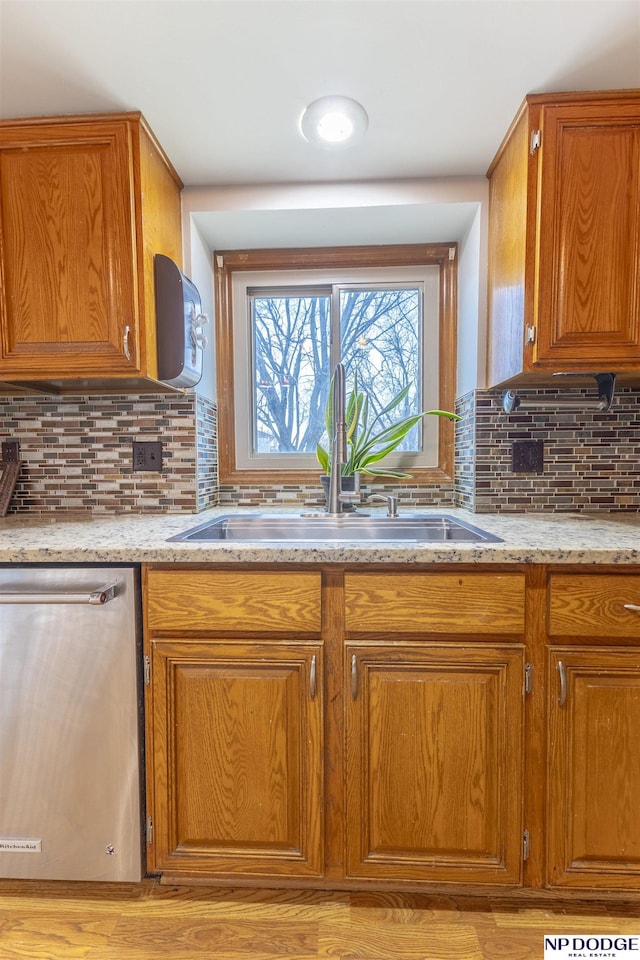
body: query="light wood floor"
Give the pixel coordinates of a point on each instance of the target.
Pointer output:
(62, 921)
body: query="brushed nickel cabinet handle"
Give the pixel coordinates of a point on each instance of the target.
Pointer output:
(312, 678)
(632, 606)
(562, 699)
(354, 677)
(125, 343)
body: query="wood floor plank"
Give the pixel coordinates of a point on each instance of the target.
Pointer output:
(242, 903)
(514, 944)
(176, 953)
(22, 941)
(149, 921)
(58, 927)
(210, 934)
(44, 895)
(379, 941)
(574, 917)
(417, 908)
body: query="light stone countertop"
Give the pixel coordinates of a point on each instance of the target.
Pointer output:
(527, 538)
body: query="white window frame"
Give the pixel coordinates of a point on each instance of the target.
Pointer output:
(426, 278)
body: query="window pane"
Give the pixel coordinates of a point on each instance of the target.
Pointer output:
(291, 371)
(380, 343)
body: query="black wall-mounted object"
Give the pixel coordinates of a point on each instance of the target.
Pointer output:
(179, 325)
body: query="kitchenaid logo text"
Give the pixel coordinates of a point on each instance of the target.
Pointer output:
(574, 946)
(10, 845)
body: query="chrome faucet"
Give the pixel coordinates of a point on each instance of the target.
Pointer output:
(339, 454)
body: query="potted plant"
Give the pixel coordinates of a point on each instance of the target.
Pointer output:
(368, 442)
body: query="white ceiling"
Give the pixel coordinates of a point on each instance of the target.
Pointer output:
(224, 82)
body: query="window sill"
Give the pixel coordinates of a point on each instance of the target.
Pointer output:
(423, 476)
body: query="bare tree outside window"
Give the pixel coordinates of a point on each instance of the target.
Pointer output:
(380, 344)
(379, 334)
(291, 336)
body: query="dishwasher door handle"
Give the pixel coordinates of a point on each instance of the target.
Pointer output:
(95, 597)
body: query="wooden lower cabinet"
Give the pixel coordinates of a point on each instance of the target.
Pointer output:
(434, 762)
(237, 758)
(593, 815)
(445, 726)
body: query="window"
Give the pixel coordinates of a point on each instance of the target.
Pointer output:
(299, 334)
(286, 317)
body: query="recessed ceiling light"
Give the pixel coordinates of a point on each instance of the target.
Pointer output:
(334, 122)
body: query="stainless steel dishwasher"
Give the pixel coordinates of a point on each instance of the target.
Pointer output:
(70, 789)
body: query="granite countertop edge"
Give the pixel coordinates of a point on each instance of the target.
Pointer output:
(612, 538)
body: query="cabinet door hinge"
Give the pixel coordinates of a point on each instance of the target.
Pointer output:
(535, 141)
(219, 261)
(452, 253)
(525, 845)
(528, 678)
(530, 332)
(147, 671)
(149, 830)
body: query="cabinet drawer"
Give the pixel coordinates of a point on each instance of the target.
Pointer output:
(469, 603)
(230, 600)
(593, 605)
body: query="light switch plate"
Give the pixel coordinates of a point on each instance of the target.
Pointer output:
(527, 456)
(10, 451)
(147, 455)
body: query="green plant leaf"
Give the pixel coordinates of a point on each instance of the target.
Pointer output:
(364, 445)
(389, 407)
(378, 472)
(442, 413)
(375, 455)
(323, 458)
(391, 436)
(353, 415)
(397, 400)
(328, 412)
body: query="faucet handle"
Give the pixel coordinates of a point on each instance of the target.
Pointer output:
(389, 499)
(350, 496)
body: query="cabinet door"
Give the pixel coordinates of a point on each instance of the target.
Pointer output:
(594, 774)
(237, 759)
(434, 771)
(588, 273)
(67, 250)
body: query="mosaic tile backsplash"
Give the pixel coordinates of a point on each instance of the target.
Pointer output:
(77, 454)
(311, 495)
(591, 459)
(77, 457)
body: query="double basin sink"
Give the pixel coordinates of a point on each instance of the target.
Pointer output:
(268, 528)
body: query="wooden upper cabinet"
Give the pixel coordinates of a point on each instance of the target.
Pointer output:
(564, 238)
(85, 203)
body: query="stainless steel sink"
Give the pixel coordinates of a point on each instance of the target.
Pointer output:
(282, 529)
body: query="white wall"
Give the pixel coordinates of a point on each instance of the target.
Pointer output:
(472, 305)
(199, 270)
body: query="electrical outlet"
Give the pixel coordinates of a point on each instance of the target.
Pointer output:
(527, 456)
(147, 455)
(10, 451)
